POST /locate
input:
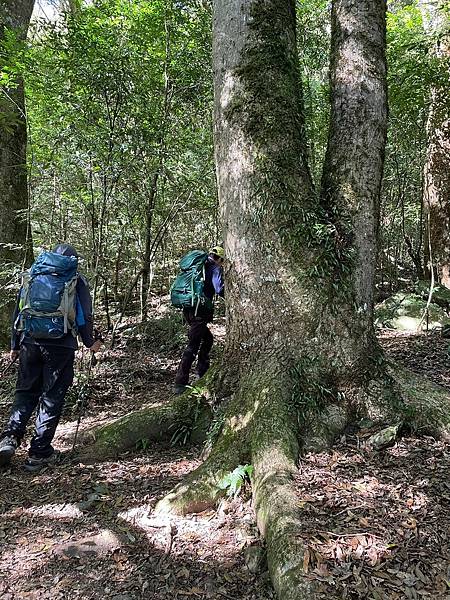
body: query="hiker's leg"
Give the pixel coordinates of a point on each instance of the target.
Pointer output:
(203, 354)
(28, 391)
(57, 378)
(195, 338)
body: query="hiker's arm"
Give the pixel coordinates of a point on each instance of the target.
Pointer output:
(217, 281)
(86, 331)
(15, 335)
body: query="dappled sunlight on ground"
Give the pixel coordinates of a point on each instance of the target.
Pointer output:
(52, 511)
(82, 531)
(375, 525)
(427, 354)
(90, 528)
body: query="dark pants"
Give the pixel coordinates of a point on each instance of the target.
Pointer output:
(45, 375)
(200, 343)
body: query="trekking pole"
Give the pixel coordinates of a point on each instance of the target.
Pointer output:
(8, 366)
(82, 395)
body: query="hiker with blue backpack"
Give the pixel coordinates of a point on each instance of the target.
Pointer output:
(54, 305)
(199, 280)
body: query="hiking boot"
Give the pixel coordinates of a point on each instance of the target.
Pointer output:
(8, 446)
(179, 389)
(33, 464)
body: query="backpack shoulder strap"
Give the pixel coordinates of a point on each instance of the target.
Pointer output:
(68, 303)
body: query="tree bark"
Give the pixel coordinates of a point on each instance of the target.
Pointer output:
(74, 6)
(300, 266)
(14, 241)
(436, 194)
(352, 175)
(301, 358)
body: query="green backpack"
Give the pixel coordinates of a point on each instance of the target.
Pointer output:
(187, 289)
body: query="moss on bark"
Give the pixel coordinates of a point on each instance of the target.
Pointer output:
(260, 428)
(426, 405)
(150, 424)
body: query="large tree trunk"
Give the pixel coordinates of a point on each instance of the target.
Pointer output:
(301, 359)
(351, 184)
(14, 241)
(300, 269)
(436, 194)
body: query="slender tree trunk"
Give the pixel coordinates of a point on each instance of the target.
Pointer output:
(153, 192)
(74, 6)
(15, 240)
(352, 174)
(436, 196)
(146, 261)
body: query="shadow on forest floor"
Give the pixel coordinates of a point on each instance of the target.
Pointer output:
(79, 531)
(375, 525)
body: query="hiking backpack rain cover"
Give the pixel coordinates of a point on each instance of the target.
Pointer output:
(47, 305)
(187, 289)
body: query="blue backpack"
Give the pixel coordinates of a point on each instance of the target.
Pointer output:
(48, 300)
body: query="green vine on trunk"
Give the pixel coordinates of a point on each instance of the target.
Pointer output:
(283, 192)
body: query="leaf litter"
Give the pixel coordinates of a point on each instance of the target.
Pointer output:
(375, 524)
(84, 531)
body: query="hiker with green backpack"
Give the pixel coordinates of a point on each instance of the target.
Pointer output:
(199, 280)
(53, 306)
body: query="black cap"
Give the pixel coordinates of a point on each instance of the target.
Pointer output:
(65, 250)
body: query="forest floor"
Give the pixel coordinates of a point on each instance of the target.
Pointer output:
(376, 525)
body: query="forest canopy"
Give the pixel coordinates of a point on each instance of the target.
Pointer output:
(120, 154)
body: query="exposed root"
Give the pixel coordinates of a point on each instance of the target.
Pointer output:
(265, 433)
(200, 489)
(198, 492)
(278, 516)
(150, 424)
(275, 452)
(322, 432)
